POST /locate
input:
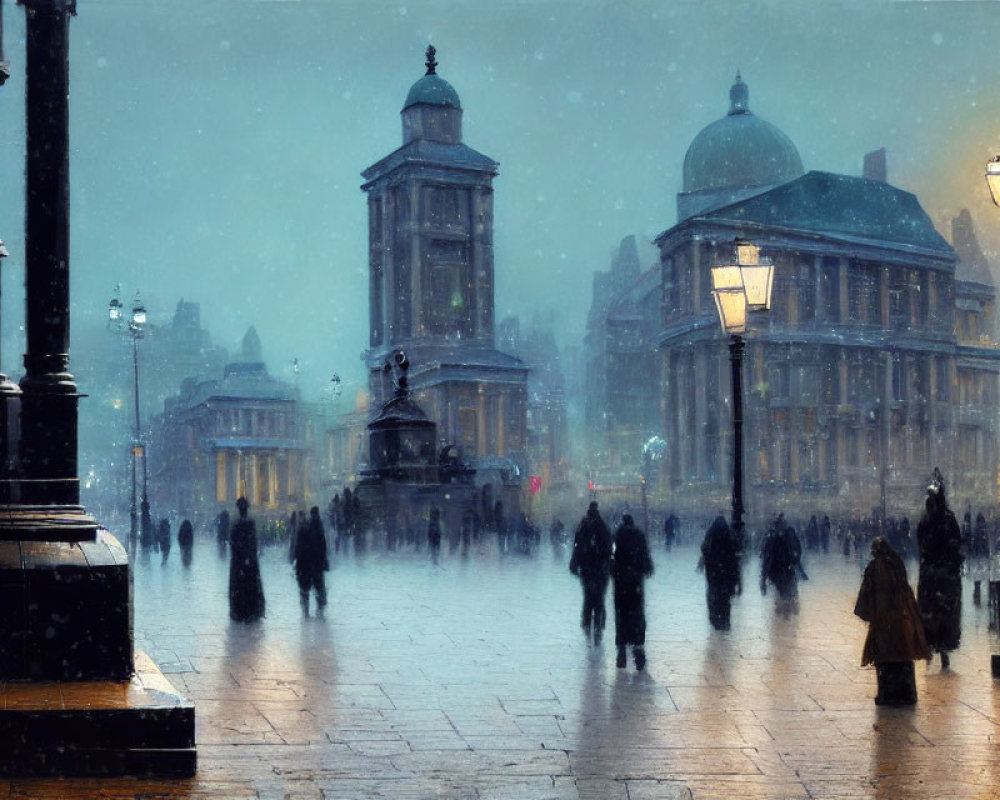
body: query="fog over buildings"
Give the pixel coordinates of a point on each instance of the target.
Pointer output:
(217, 146)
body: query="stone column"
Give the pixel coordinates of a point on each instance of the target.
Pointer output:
(49, 411)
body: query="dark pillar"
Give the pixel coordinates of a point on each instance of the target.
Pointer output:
(736, 347)
(49, 403)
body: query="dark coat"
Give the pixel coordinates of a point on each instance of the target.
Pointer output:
(781, 560)
(886, 603)
(592, 546)
(939, 588)
(185, 535)
(246, 592)
(631, 566)
(720, 559)
(310, 555)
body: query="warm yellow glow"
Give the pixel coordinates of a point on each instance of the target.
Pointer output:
(757, 282)
(117, 403)
(732, 307)
(993, 178)
(747, 254)
(727, 277)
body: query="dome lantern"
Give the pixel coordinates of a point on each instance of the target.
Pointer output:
(432, 109)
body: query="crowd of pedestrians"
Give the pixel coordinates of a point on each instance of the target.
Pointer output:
(902, 626)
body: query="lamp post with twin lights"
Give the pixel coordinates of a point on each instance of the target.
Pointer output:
(739, 289)
(135, 326)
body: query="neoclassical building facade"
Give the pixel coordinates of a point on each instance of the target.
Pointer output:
(864, 375)
(876, 362)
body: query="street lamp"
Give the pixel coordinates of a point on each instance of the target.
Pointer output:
(993, 178)
(739, 289)
(135, 326)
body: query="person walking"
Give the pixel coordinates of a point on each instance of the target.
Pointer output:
(721, 561)
(670, 525)
(246, 592)
(222, 532)
(434, 534)
(163, 538)
(895, 632)
(311, 561)
(185, 541)
(781, 560)
(591, 562)
(939, 586)
(629, 569)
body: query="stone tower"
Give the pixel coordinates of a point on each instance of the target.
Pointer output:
(430, 228)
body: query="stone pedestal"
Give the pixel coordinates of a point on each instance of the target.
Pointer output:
(67, 603)
(141, 726)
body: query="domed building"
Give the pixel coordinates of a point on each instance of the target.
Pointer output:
(877, 361)
(735, 158)
(855, 382)
(431, 283)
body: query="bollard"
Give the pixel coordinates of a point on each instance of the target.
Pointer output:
(995, 665)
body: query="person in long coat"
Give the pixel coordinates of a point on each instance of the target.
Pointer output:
(222, 532)
(939, 588)
(434, 534)
(895, 632)
(185, 541)
(629, 569)
(246, 592)
(591, 561)
(721, 562)
(163, 538)
(781, 560)
(311, 561)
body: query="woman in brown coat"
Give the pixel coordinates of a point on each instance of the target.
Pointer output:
(895, 632)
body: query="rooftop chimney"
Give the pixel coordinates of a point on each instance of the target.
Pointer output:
(874, 168)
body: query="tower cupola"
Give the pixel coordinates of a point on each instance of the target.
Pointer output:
(432, 110)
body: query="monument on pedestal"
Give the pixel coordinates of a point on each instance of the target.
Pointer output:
(86, 705)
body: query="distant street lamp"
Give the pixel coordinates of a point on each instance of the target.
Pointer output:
(993, 178)
(739, 289)
(135, 326)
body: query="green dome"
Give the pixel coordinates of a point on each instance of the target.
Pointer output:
(740, 150)
(432, 90)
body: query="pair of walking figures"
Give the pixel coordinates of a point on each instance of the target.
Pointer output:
(597, 558)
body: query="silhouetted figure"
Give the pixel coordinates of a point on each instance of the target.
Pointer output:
(670, 525)
(434, 535)
(895, 633)
(527, 535)
(557, 533)
(468, 520)
(905, 538)
(222, 532)
(163, 538)
(629, 570)
(591, 561)
(721, 562)
(185, 541)
(501, 526)
(939, 589)
(979, 555)
(824, 534)
(311, 561)
(812, 534)
(246, 592)
(781, 560)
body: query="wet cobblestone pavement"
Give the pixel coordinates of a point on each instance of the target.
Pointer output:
(472, 679)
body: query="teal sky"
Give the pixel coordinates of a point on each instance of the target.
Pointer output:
(217, 144)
